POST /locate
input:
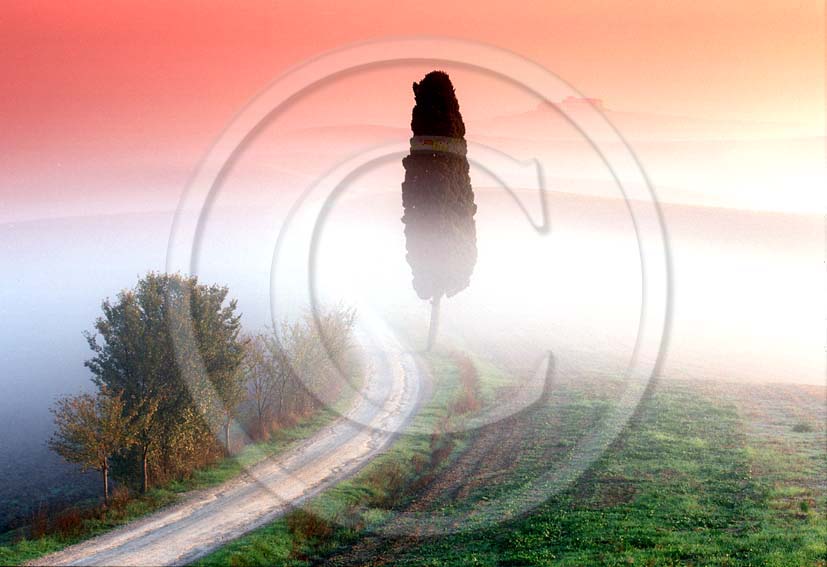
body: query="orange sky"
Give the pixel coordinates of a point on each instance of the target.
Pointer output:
(92, 88)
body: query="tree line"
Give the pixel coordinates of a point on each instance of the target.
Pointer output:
(152, 418)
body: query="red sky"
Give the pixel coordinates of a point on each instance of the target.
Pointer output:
(122, 95)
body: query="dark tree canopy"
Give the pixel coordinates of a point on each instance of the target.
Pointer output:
(437, 197)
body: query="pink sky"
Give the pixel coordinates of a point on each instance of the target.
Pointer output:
(122, 99)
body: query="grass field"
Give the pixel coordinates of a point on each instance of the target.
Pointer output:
(708, 474)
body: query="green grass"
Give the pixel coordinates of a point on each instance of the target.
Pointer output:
(680, 488)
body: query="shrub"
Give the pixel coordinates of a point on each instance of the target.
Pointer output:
(39, 525)
(308, 526)
(119, 498)
(69, 522)
(388, 482)
(803, 427)
(468, 398)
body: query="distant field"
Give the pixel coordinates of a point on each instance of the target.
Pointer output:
(709, 474)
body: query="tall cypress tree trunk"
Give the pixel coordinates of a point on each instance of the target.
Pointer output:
(434, 328)
(227, 435)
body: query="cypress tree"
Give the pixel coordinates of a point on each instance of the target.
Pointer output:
(437, 197)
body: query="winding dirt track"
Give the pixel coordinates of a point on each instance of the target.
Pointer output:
(210, 518)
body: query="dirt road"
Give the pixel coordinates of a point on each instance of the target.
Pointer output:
(207, 519)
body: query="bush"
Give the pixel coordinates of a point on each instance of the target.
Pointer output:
(39, 525)
(468, 398)
(388, 482)
(803, 427)
(305, 525)
(119, 498)
(69, 522)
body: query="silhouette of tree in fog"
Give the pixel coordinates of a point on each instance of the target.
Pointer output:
(437, 197)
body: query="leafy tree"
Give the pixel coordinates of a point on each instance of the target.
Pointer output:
(135, 352)
(90, 429)
(437, 197)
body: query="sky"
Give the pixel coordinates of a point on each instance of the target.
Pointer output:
(109, 107)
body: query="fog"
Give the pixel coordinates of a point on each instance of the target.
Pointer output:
(747, 302)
